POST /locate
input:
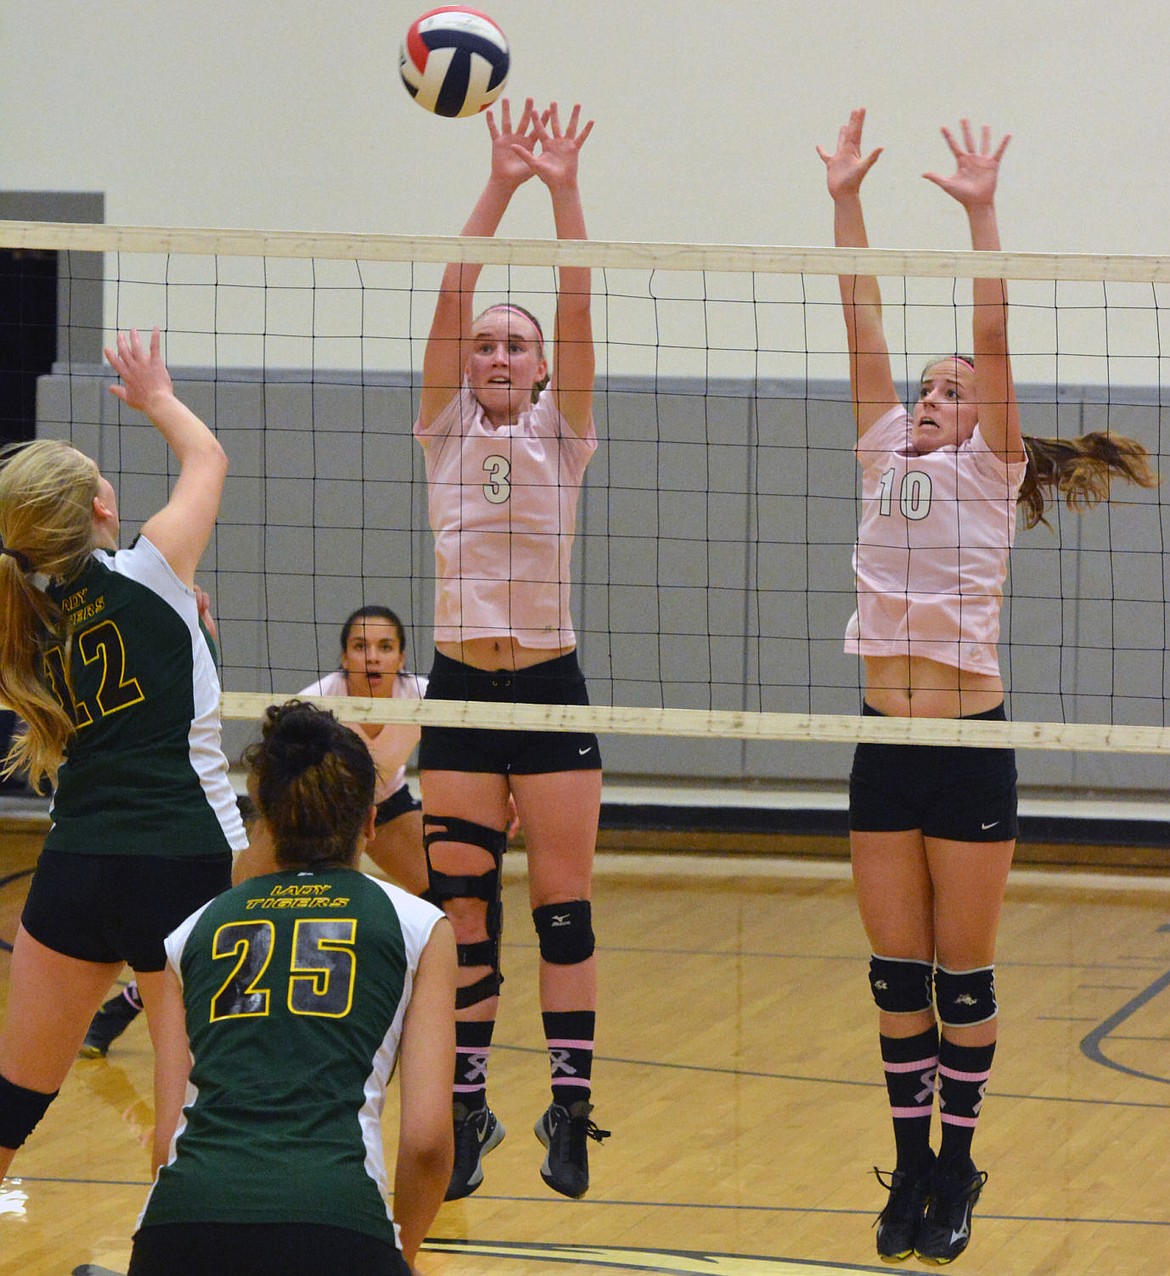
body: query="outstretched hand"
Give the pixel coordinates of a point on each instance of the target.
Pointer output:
(556, 164)
(976, 167)
(515, 157)
(846, 167)
(144, 374)
(510, 145)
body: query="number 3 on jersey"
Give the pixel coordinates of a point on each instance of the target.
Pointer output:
(498, 487)
(322, 968)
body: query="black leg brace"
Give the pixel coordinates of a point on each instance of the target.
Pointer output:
(486, 886)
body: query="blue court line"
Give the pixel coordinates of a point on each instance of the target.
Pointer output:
(1092, 1043)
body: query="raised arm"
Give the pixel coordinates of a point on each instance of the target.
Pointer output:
(425, 1148)
(870, 378)
(181, 529)
(574, 358)
(451, 327)
(973, 185)
(869, 375)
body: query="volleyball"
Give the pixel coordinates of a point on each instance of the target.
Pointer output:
(454, 61)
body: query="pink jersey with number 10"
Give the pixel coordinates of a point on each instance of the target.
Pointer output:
(932, 547)
(503, 509)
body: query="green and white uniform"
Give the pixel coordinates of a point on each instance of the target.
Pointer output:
(145, 772)
(295, 986)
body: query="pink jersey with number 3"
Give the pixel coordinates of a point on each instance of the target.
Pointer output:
(932, 547)
(503, 508)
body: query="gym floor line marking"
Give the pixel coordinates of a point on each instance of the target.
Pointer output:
(665, 1262)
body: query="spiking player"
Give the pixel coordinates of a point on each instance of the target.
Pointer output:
(104, 659)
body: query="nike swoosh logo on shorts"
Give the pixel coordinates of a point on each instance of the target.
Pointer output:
(989, 826)
(582, 752)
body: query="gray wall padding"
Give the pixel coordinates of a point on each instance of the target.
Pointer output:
(712, 562)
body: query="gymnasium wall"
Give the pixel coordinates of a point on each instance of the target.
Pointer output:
(288, 114)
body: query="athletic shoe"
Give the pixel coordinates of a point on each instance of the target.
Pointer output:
(899, 1223)
(112, 1019)
(946, 1229)
(476, 1133)
(564, 1132)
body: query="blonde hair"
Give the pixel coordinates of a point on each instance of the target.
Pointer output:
(1081, 471)
(47, 490)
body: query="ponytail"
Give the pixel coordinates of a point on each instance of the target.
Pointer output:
(1081, 471)
(47, 490)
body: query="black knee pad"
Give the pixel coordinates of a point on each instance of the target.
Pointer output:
(965, 997)
(486, 886)
(20, 1110)
(565, 931)
(901, 985)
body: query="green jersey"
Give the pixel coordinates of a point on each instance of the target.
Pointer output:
(144, 772)
(295, 986)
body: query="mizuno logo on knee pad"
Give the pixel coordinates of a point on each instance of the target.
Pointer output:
(565, 931)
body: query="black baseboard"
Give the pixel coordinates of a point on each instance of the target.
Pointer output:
(1070, 830)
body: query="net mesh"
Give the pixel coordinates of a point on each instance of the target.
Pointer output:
(712, 577)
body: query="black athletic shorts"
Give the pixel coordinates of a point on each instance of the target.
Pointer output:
(111, 908)
(501, 752)
(261, 1249)
(398, 803)
(959, 793)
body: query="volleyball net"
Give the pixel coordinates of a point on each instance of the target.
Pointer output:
(712, 560)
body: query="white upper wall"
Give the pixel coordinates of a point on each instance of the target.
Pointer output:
(290, 115)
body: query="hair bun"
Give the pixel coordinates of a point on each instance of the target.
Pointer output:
(302, 738)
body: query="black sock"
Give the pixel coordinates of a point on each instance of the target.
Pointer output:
(962, 1074)
(569, 1034)
(911, 1064)
(473, 1045)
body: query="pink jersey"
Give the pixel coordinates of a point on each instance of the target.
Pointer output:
(395, 742)
(932, 547)
(503, 508)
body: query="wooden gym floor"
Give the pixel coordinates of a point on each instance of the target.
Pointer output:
(737, 1068)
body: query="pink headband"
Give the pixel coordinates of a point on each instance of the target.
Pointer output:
(524, 314)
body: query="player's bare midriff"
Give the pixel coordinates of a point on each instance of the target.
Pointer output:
(914, 687)
(499, 653)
